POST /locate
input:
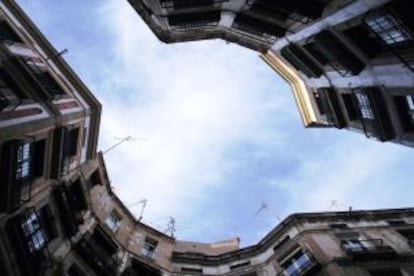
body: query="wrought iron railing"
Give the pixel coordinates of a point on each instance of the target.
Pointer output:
(393, 33)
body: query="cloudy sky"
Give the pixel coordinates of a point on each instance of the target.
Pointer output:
(218, 133)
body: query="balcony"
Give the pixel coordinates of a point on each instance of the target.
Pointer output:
(369, 250)
(186, 4)
(298, 59)
(65, 146)
(310, 10)
(195, 19)
(257, 26)
(330, 103)
(337, 54)
(373, 114)
(393, 25)
(97, 251)
(140, 268)
(67, 216)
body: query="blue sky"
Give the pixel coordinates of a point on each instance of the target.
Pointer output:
(222, 132)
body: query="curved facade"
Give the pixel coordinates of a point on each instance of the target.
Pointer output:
(350, 63)
(59, 215)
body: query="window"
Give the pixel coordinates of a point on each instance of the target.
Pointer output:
(7, 33)
(388, 28)
(297, 264)
(363, 37)
(113, 221)
(37, 230)
(24, 160)
(74, 270)
(319, 103)
(29, 158)
(353, 245)
(364, 106)
(149, 248)
(405, 108)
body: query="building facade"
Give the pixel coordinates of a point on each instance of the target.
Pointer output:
(349, 62)
(59, 215)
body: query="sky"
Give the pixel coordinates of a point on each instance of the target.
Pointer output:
(219, 143)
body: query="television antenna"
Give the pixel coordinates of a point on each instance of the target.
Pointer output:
(144, 204)
(122, 140)
(171, 227)
(263, 206)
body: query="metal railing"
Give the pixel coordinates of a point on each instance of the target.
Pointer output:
(392, 32)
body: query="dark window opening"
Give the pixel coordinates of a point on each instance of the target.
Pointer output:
(386, 272)
(94, 179)
(315, 52)
(281, 243)
(9, 88)
(7, 33)
(239, 265)
(298, 59)
(350, 107)
(405, 109)
(408, 234)
(141, 269)
(258, 26)
(71, 141)
(149, 248)
(194, 20)
(74, 270)
(319, 103)
(339, 225)
(192, 270)
(338, 55)
(365, 39)
(49, 83)
(396, 222)
(180, 4)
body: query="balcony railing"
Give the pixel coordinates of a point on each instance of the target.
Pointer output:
(308, 11)
(185, 4)
(330, 103)
(302, 62)
(337, 54)
(370, 249)
(96, 256)
(373, 113)
(257, 26)
(393, 27)
(195, 19)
